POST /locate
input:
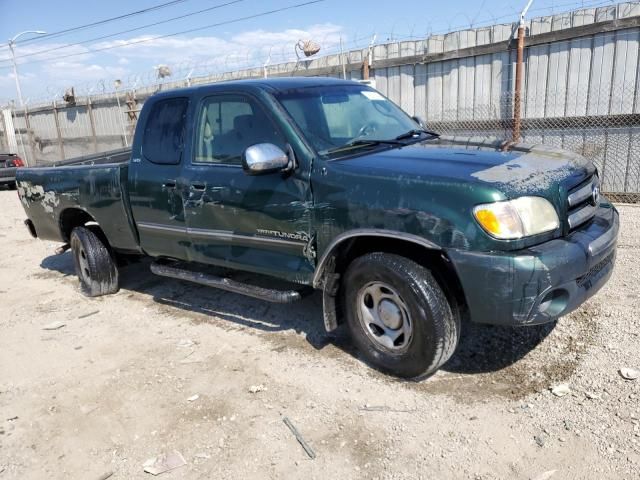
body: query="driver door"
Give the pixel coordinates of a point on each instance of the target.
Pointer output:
(256, 223)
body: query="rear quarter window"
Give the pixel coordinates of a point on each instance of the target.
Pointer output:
(163, 137)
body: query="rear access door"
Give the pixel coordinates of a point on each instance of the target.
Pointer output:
(155, 186)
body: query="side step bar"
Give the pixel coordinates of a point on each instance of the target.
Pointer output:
(222, 283)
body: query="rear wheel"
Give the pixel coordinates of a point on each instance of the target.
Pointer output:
(95, 265)
(398, 315)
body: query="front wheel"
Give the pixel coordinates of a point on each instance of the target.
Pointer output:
(398, 315)
(95, 265)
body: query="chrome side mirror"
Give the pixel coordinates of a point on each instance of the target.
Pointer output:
(264, 158)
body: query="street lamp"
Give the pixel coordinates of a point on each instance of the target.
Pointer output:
(12, 42)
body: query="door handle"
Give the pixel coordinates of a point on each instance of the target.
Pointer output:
(201, 187)
(169, 184)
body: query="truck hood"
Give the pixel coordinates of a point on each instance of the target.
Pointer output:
(521, 170)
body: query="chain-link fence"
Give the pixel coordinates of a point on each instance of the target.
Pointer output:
(611, 141)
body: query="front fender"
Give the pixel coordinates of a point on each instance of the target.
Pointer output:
(334, 245)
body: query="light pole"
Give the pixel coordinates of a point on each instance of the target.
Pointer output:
(12, 42)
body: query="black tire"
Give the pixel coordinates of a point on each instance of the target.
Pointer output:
(11, 186)
(434, 326)
(95, 265)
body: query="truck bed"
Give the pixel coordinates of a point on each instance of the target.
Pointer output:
(119, 155)
(93, 184)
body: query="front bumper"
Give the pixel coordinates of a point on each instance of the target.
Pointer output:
(541, 283)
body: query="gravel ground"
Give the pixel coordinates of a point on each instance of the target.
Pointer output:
(116, 385)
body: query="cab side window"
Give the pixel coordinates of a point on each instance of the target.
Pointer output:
(228, 125)
(164, 132)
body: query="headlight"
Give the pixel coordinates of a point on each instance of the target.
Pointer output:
(517, 218)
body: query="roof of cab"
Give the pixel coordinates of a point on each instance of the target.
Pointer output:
(271, 84)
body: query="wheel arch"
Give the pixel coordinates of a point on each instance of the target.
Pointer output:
(344, 243)
(73, 217)
(350, 245)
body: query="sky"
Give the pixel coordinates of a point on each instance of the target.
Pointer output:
(91, 59)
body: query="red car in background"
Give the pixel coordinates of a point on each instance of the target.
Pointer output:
(8, 164)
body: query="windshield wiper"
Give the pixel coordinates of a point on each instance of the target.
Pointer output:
(414, 132)
(361, 142)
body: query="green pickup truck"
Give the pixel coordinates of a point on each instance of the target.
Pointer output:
(326, 184)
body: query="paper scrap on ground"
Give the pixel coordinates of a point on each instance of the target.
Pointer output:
(629, 373)
(561, 390)
(164, 463)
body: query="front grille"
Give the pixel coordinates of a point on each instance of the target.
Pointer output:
(582, 202)
(595, 270)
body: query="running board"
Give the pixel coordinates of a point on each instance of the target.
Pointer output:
(222, 283)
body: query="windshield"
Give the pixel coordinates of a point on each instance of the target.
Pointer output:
(339, 119)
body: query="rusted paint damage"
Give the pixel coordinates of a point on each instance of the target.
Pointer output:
(27, 192)
(538, 169)
(50, 200)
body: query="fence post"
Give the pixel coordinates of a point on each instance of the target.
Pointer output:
(518, 87)
(5, 137)
(92, 122)
(368, 60)
(365, 67)
(131, 103)
(18, 132)
(55, 117)
(29, 136)
(10, 130)
(124, 129)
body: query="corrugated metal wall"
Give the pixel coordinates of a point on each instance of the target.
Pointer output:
(602, 68)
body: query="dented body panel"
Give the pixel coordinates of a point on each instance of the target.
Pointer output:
(511, 287)
(100, 190)
(291, 225)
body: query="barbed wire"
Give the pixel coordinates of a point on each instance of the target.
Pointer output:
(248, 58)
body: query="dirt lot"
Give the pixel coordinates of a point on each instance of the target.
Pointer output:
(110, 389)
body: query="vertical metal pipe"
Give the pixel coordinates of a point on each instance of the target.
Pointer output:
(517, 101)
(18, 133)
(121, 117)
(57, 120)
(365, 67)
(10, 130)
(15, 73)
(342, 62)
(29, 138)
(92, 122)
(368, 60)
(5, 137)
